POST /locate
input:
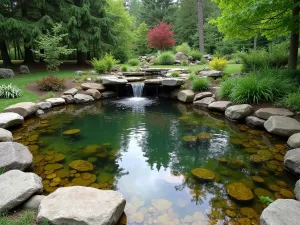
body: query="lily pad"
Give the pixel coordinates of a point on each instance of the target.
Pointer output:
(81, 165)
(239, 191)
(203, 174)
(258, 179)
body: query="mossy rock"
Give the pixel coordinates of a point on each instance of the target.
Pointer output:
(258, 158)
(183, 118)
(258, 179)
(85, 179)
(287, 193)
(223, 160)
(62, 173)
(281, 183)
(189, 138)
(203, 174)
(81, 165)
(71, 132)
(38, 158)
(58, 157)
(51, 176)
(239, 191)
(204, 136)
(231, 213)
(236, 141)
(33, 138)
(236, 163)
(274, 187)
(251, 150)
(90, 150)
(92, 159)
(263, 192)
(53, 166)
(249, 212)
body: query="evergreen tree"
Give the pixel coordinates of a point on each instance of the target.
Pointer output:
(141, 41)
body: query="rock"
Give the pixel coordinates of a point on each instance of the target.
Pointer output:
(79, 73)
(211, 73)
(153, 81)
(135, 74)
(24, 69)
(297, 190)
(82, 205)
(253, 121)
(294, 141)
(39, 112)
(17, 187)
(33, 202)
(56, 101)
(266, 113)
(181, 56)
(81, 165)
(281, 212)
(172, 82)
(238, 112)
(239, 191)
(99, 87)
(282, 126)
(5, 135)
(10, 119)
(82, 98)
(69, 99)
(94, 93)
(72, 91)
(201, 95)
(220, 106)
(6, 73)
(292, 160)
(23, 108)
(113, 81)
(135, 79)
(186, 96)
(109, 94)
(44, 105)
(14, 156)
(203, 174)
(174, 94)
(204, 102)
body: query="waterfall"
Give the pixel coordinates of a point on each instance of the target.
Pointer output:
(137, 89)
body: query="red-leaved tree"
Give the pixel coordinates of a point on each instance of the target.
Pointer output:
(161, 36)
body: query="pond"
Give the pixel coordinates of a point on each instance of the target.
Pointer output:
(146, 149)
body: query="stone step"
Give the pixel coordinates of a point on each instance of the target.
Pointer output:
(128, 74)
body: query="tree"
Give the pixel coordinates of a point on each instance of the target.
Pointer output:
(161, 36)
(200, 26)
(141, 42)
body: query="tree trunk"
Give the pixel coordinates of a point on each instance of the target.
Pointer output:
(200, 25)
(81, 58)
(28, 57)
(5, 56)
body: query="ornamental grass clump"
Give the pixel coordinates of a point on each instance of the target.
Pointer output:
(196, 55)
(105, 64)
(9, 91)
(134, 62)
(166, 58)
(200, 84)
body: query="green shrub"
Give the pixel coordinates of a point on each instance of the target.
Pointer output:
(166, 58)
(196, 55)
(175, 74)
(184, 47)
(9, 91)
(48, 95)
(51, 83)
(192, 77)
(99, 65)
(133, 62)
(218, 64)
(292, 101)
(200, 84)
(124, 68)
(110, 61)
(185, 62)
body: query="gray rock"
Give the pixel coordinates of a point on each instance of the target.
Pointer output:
(204, 102)
(33, 202)
(282, 126)
(82, 205)
(39, 112)
(266, 113)
(253, 121)
(238, 112)
(220, 106)
(292, 160)
(297, 190)
(211, 73)
(186, 96)
(24, 69)
(113, 81)
(281, 212)
(10, 119)
(82, 98)
(109, 94)
(134, 79)
(174, 94)
(79, 73)
(99, 87)
(181, 56)
(14, 156)
(72, 91)
(5, 135)
(294, 141)
(153, 81)
(94, 93)
(17, 187)
(172, 82)
(201, 95)
(6, 73)
(56, 101)
(44, 105)
(69, 99)
(23, 108)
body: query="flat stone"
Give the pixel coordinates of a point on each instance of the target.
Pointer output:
(82, 98)
(292, 160)
(56, 101)
(23, 108)
(153, 81)
(172, 82)
(94, 93)
(294, 141)
(204, 102)
(33, 202)
(10, 119)
(82, 205)
(254, 121)
(5, 135)
(109, 94)
(17, 187)
(282, 126)
(281, 212)
(266, 113)
(127, 74)
(14, 156)
(69, 99)
(220, 106)
(44, 105)
(97, 86)
(297, 190)
(238, 112)
(135, 79)
(201, 95)
(72, 91)
(186, 96)
(211, 73)
(113, 81)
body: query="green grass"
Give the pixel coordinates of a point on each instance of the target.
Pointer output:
(233, 68)
(25, 217)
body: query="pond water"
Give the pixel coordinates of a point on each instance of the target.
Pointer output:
(146, 149)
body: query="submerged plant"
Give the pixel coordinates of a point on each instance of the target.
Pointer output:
(266, 200)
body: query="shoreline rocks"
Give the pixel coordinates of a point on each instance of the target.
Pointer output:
(238, 112)
(5, 135)
(10, 119)
(186, 96)
(24, 109)
(282, 126)
(292, 160)
(266, 113)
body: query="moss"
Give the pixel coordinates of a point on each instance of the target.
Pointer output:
(239, 192)
(62, 173)
(53, 166)
(85, 179)
(231, 213)
(203, 174)
(263, 192)
(90, 150)
(258, 158)
(81, 165)
(57, 157)
(71, 132)
(204, 136)
(236, 163)
(274, 187)
(189, 138)
(258, 179)
(249, 212)
(287, 193)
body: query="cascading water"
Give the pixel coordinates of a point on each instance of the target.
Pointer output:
(137, 89)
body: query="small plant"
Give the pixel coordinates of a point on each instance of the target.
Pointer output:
(2, 171)
(196, 55)
(185, 62)
(184, 47)
(184, 86)
(200, 84)
(175, 74)
(166, 58)
(51, 83)
(9, 91)
(192, 77)
(218, 64)
(133, 62)
(266, 200)
(48, 95)
(292, 101)
(99, 65)
(110, 61)
(124, 68)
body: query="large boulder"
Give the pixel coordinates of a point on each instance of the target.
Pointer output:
(10, 119)
(6, 73)
(174, 94)
(69, 99)
(72, 91)
(201, 95)
(266, 113)
(113, 81)
(17, 187)
(238, 112)
(82, 98)
(282, 126)
(172, 82)
(56, 101)
(23, 108)
(33, 202)
(94, 93)
(44, 105)
(294, 141)
(219, 106)
(292, 160)
(204, 102)
(281, 212)
(5, 135)
(181, 56)
(297, 190)
(253, 121)
(14, 156)
(211, 73)
(24, 69)
(186, 96)
(82, 205)
(109, 94)
(99, 87)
